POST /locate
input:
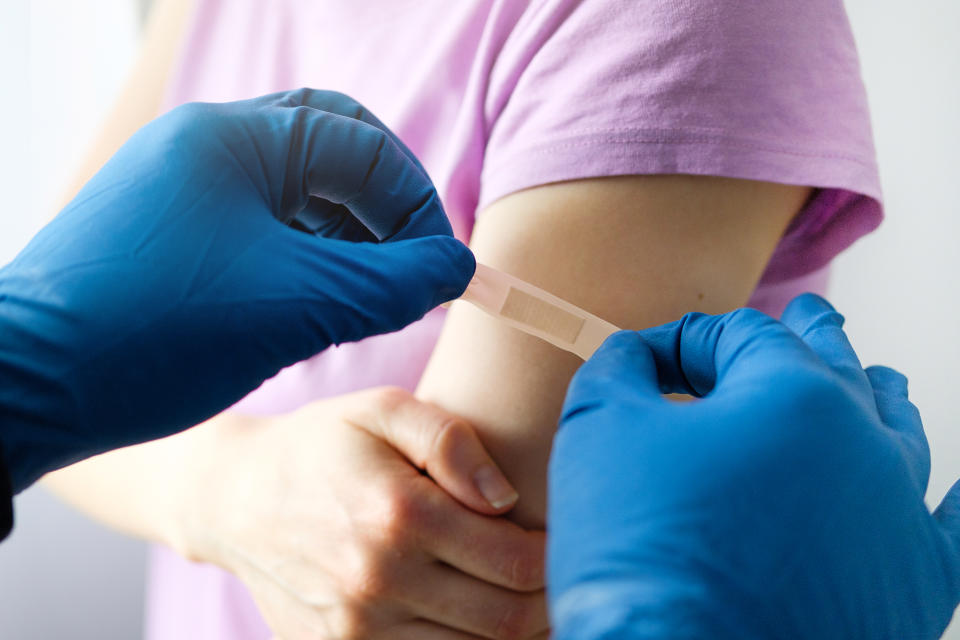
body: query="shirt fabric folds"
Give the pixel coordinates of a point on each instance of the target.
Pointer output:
(496, 96)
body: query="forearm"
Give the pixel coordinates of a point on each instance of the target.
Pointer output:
(637, 251)
(148, 490)
(120, 488)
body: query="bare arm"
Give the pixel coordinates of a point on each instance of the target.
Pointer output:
(637, 251)
(141, 98)
(93, 485)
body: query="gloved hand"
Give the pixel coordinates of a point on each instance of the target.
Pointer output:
(786, 503)
(174, 283)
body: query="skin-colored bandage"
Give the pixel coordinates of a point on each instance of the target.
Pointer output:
(534, 311)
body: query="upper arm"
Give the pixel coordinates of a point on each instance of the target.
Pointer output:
(141, 97)
(635, 250)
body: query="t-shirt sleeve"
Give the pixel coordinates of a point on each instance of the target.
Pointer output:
(765, 90)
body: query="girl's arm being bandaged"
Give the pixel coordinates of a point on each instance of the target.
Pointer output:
(636, 251)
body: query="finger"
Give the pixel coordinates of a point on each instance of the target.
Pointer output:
(494, 550)
(820, 326)
(410, 277)
(948, 516)
(340, 152)
(442, 444)
(452, 599)
(318, 292)
(344, 105)
(326, 219)
(698, 352)
(897, 412)
(422, 630)
(622, 362)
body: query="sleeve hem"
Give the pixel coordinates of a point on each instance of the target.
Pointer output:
(815, 237)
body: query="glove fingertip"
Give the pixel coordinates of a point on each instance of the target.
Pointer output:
(461, 265)
(621, 341)
(947, 514)
(888, 380)
(623, 362)
(808, 310)
(812, 302)
(429, 271)
(617, 350)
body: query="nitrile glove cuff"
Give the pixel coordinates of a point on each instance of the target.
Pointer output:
(39, 426)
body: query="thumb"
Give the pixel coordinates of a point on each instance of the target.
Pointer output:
(621, 369)
(820, 326)
(438, 442)
(898, 413)
(415, 277)
(948, 515)
(699, 352)
(365, 289)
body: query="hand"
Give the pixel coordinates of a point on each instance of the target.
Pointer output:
(172, 285)
(786, 503)
(326, 517)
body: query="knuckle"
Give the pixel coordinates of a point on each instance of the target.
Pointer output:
(810, 385)
(293, 97)
(346, 102)
(378, 143)
(188, 111)
(303, 94)
(525, 571)
(823, 389)
(189, 117)
(389, 400)
(449, 438)
(330, 96)
(514, 622)
(400, 513)
(749, 316)
(351, 621)
(369, 583)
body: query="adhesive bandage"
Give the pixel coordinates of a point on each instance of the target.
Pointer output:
(534, 311)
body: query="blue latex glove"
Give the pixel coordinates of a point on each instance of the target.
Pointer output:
(174, 283)
(786, 503)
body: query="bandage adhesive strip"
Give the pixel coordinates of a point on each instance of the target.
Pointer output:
(534, 311)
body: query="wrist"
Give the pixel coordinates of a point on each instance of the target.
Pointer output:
(208, 494)
(33, 405)
(30, 450)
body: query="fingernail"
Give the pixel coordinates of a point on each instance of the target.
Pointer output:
(494, 487)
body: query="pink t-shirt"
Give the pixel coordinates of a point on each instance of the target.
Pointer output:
(500, 95)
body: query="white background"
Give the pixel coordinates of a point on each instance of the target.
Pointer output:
(62, 61)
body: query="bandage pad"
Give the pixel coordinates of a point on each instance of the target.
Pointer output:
(529, 310)
(537, 312)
